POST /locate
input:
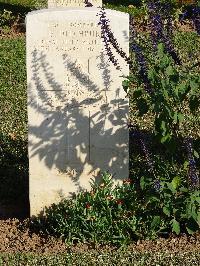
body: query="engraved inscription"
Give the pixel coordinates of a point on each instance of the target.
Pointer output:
(64, 42)
(72, 37)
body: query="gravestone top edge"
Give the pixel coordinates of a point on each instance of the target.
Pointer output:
(77, 10)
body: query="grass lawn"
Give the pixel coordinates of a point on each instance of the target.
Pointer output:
(13, 122)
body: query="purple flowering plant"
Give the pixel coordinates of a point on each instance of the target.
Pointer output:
(162, 85)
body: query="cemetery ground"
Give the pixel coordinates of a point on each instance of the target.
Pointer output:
(18, 244)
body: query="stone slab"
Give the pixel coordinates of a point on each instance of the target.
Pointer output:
(72, 3)
(77, 108)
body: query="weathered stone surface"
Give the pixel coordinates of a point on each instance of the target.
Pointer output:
(72, 3)
(77, 109)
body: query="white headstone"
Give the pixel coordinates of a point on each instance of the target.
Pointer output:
(73, 3)
(77, 108)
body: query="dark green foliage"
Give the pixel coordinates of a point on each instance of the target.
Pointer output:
(7, 20)
(119, 215)
(91, 215)
(172, 87)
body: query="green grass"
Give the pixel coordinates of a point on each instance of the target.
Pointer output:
(32, 3)
(25, 3)
(13, 122)
(103, 258)
(13, 87)
(120, 4)
(24, 6)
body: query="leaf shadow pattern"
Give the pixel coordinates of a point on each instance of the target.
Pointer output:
(78, 133)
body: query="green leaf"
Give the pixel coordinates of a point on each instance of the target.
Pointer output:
(165, 92)
(125, 84)
(190, 231)
(180, 117)
(166, 211)
(186, 164)
(163, 127)
(183, 88)
(170, 71)
(198, 218)
(169, 110)
(165, 138)
(197, 199)
(176, 182)
(176, 226)
(142, 182)
(183, 189)
(194, 84)
(192, 226)
(196, 154)
(171, 188)
(153, 199)
(152, 75)
(156, 222)
(175, 117)
(161, 49)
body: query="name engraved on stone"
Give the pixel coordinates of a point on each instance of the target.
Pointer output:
(72, 3)
(67, 40)
(79, 36)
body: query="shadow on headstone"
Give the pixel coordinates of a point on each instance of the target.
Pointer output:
(61, 142)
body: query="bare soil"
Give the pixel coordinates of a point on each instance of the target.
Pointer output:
(17, 30)
(15, 236)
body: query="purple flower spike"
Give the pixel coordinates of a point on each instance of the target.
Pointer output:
(157, 185)
(110, 41)
(159, 32)
(139, 136)
(196, 18)
(140, 59)
(192, 172)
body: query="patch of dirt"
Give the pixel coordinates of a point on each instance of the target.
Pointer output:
(17, 30)
(13, 239)
(16, 237)
(182, 243)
